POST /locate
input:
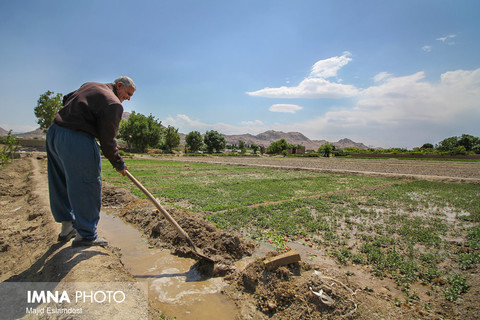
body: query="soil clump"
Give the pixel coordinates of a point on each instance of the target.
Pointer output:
(222, 247)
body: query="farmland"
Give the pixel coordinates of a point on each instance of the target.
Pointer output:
(421, 237)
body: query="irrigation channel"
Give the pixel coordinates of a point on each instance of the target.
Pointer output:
(178, 290)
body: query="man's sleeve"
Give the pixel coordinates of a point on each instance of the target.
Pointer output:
(108, 124)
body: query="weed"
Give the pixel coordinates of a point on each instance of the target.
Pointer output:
(468, 260)
(457, 285)
(473, 237)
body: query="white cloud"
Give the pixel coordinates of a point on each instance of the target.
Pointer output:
(404, 111)
(252, 123)
(329, 67)
(309, 88)
(448, 39)
(288, 108)
(316, 85)
(381, 76)
(427, 48)
(186, 125)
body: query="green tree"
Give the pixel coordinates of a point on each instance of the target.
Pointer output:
(476, 148)
(214, 141)
(47, 107)
(453, 144)
(427, 146)
(448, 144)
(468, 141)
(254, 147)
(172, 138)
(194, 141)
(242, 146)
(141, 132)
(351, 150)
(326, 149)
(279, 146)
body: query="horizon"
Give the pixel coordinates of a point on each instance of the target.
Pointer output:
(289, 132)
(381, 72)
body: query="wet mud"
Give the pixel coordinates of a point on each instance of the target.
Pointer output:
(223, 248)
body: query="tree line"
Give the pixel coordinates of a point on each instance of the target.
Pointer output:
(141, 132)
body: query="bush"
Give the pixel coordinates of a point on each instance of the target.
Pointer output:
(8, 149)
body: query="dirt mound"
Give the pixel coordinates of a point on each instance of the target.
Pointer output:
(294, 291)
(224, 248)
(114, 197)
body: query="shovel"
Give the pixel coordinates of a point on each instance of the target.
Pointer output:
(179, 229)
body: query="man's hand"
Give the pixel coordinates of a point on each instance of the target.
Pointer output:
(123, 172)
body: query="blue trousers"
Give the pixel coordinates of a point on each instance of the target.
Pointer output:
(74, 180)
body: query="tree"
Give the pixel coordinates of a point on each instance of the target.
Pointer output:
(172, 138)
(326, 149)
(427, 146)
(194, 141)
(242, 146)
(47, 107)
(254, 147)
(476, 149)
(214, 141)
(278, 146)
(453, 144)
(141, 132)
(448, 144)
(468, 141)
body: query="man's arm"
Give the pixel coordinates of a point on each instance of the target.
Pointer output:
(108, 124)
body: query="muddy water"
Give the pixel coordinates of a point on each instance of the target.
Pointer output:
(178, 290)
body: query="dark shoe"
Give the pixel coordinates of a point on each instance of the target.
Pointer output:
(81, 242)
(67, 237)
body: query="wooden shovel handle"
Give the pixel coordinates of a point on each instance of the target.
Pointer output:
(160, 208)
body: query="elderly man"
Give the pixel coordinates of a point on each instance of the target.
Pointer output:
(92, 111)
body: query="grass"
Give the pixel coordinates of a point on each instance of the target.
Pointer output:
(214, 188)
(408, 231)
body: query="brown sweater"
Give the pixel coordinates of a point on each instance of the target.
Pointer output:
(95, 109)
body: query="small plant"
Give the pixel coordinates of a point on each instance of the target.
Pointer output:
(277, 240)
(457, 285)
(8, 149)
(468, 260)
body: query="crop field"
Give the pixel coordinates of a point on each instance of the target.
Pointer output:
(409, 231)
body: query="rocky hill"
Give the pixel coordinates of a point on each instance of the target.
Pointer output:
(35, 134)
(3, 132)
(295, 138)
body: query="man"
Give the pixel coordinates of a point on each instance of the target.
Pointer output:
(92, 111)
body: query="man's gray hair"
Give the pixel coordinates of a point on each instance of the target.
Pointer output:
(127, 82)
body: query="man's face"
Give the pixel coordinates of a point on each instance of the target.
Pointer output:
(123, 92)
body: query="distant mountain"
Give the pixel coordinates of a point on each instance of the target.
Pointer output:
(266, 138)
(3, 132)
(344, 143)
(35, 134)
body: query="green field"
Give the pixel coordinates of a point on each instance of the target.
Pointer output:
(410, 231)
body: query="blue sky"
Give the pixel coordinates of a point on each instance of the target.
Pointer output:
(385, 73)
